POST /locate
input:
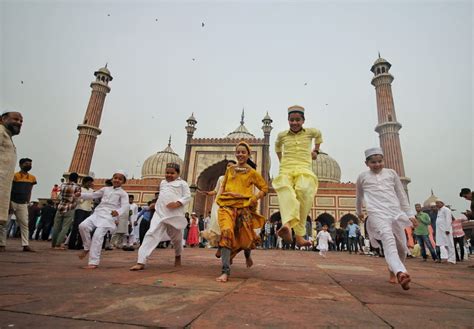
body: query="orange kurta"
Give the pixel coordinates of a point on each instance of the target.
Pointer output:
(237, 218)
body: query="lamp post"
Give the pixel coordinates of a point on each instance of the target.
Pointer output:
(193, 188)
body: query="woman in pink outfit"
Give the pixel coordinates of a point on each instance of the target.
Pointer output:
(193, 234)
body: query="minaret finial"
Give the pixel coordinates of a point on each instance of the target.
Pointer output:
(169, 142)
(432, 191)
(106, 63)
(379, 53)
(242, 117)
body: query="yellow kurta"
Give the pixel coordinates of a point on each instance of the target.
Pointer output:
(296, 184)
(237, 218)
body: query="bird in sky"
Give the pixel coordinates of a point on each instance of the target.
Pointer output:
(194, 59)
(108, 15)
(202, 24)
(21, 81)
(305, 83)
(156, 19)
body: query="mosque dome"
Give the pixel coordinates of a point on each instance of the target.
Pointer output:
(241, 132)
(155, 165)
(432, 198)
(326, 168)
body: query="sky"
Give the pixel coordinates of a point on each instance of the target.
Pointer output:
(261, 56)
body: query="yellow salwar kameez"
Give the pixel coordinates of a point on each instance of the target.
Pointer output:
(296, 184)
(237, 217)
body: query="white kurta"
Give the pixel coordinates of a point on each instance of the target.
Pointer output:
(133, 236)
(101, 220)
(323, 240)
(167, 224)
(388, 212)
(443, 240)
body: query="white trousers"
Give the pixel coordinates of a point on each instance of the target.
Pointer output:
(392, 234)
(158, 232)
(94, 245)
(448, 252)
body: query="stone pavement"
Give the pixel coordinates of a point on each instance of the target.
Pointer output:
(284, 289)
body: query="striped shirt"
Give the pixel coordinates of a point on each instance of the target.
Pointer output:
(457, 227)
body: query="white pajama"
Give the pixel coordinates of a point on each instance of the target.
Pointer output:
(166, 224)
(94, 245)
(159, 231)
(388, 214)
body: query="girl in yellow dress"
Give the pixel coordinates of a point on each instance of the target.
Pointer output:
(237, 209)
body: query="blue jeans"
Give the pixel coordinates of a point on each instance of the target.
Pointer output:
(425, 240)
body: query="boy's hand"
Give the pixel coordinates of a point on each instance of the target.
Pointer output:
(174, 205)
(77, 194)
(114, 213)
(362, 217)
(413, 221)
(314, 155)
(253, 200)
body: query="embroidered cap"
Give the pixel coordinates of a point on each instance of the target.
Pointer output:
(296, 108)
(121, 172)
(373, 151)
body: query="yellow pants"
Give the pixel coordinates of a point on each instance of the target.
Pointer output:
(296, 193)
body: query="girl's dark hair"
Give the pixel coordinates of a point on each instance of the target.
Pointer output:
(231, 161)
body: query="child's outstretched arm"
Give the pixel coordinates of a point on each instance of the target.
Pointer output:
(359, 197)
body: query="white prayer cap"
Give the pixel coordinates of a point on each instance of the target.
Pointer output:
(121, 172)
(432, 204)
(439, 200)
(373, 151)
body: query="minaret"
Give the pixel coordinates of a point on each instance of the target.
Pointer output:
(190, 129)
(89, 128)
(388, 126)
(267, 128)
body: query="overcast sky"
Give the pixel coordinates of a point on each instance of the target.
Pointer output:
(256, 55)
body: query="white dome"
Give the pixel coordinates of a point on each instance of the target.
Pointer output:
(326, 168)
(155, 165)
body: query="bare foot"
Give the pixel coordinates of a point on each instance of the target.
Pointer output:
(137, 267)
(218, 253)
(393, 278)
(83, 254)
(90, 267)
(285, 233)
(177, 261)
(301, 242)
(223, 278)
(248, 262)
(404, 280)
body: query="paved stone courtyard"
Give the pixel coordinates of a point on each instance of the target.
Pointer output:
(284, 289)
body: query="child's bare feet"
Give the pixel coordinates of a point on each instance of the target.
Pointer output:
(393, 278)
(177, 261)
(301, 242)
(90, 267)
(248, 261)
(404, 280)
(83, 254)
(218, 253)
(223, 278)
(285, 233)
(137, 267)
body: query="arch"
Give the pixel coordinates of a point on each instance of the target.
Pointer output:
(207, 181)
(378, 70)
(383, 69)
(346, 218)
(325, 218)
(275, 217)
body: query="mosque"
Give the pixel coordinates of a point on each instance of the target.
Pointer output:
(205, 158)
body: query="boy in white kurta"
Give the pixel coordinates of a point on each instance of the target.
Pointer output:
(114, 202)
(323, 241)
(168, 222)
(388, 211)
(132, 218)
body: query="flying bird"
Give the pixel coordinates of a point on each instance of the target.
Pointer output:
(156, 19)
(194, 59)
(21, 81)
(108, 15)
(305, 83)
(202, 24)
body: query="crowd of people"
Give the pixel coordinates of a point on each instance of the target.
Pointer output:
(80, 218)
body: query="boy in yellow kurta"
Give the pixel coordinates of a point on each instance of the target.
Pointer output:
(237, 209)
(296, 184)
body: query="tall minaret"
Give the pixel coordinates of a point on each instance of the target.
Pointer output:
(89, 128)
(190, 129)
(267, 128)
(388, 126)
